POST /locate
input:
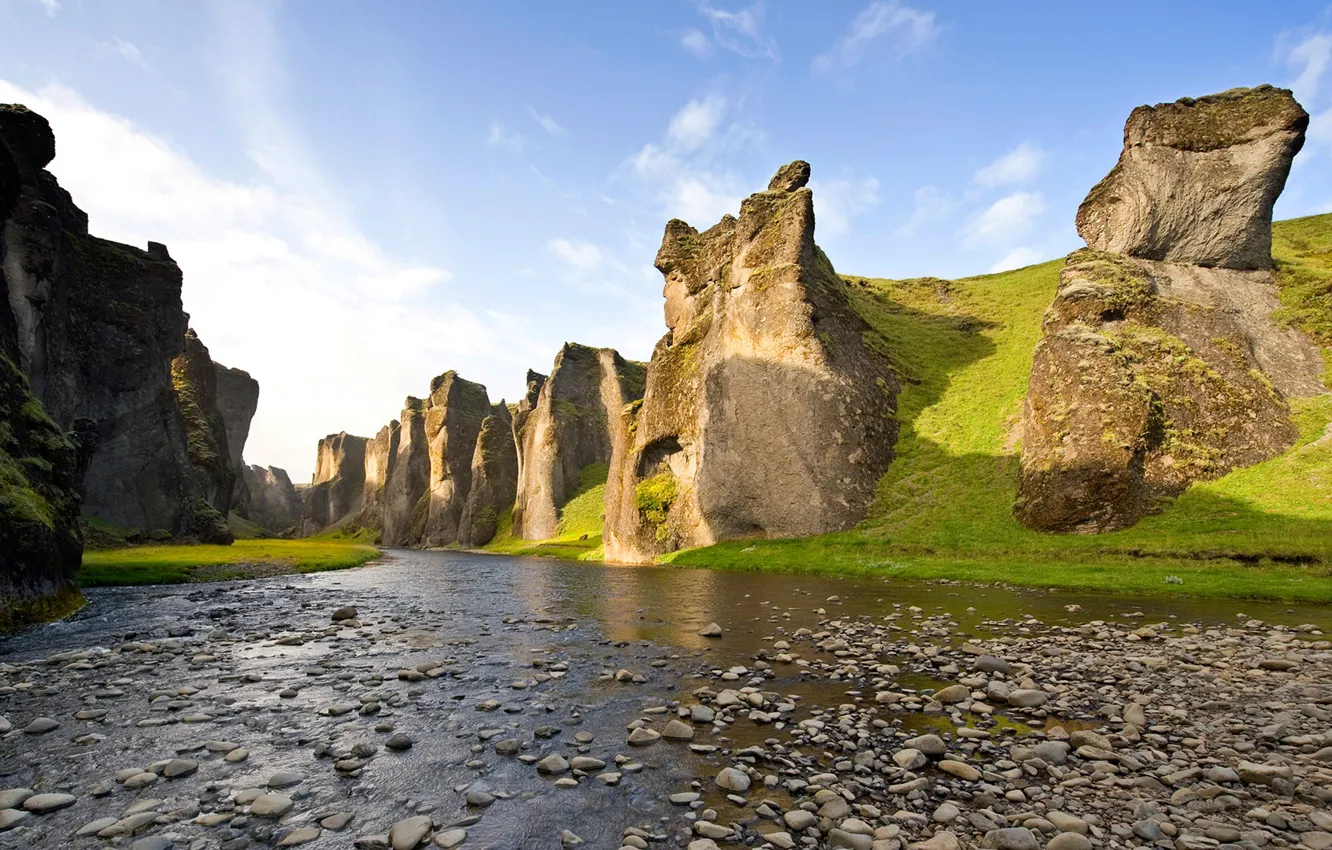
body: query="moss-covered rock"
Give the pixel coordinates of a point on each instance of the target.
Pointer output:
(194, 381)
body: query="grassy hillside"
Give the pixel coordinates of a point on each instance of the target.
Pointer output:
(964, 351)
(244, 559)
(581, 522)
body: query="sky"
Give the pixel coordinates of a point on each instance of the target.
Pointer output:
(364, 195)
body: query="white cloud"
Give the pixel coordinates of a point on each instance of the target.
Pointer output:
(741, 32)
(1009, 217)
(583, 256)
(260, 255)
(929, 205)
(1312, 56)
(498, 137)
(702, 198)
(128, 51)
(905, 28)
(1017, 258)
(836, 202)
(1019, 165)
(51, 6)
(696, 43)
(550, 125)
(695, 124)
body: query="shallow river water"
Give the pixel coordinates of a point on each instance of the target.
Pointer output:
(508, 646)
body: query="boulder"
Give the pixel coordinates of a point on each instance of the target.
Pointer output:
(237, 401)
(765, 413)
(572, 426)
(494, 478)
(1197, 179)
(1159, 362)
(94, 326)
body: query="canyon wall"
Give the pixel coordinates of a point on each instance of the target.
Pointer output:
(275, 503)
(237, 401)
(765, 413)
(1160, 363)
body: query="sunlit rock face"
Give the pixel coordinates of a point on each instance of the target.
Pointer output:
(572, 425)
(765, 412)
(274, 502)
(1159, 363)
(237, 401)
(338, 486)
(194, 381)
(494, 478)
(95, 326)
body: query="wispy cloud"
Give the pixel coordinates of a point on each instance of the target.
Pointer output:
(1019, 165)
(1017, 258)
(928, 204)
(550, 125)
(741, 32)
(897, 29)
(837, 202)
(696, 43)
(583, 256)
(696, 124)
(1311, 57)
(498, 137)
(1007, 218)
(51, 6)
(128, 51)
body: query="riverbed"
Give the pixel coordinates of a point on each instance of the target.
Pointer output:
(253, 713)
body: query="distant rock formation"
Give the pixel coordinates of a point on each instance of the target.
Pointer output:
(570, 425)
(411, 476)
(494, 478)
(237, 401)
(1159, 364)
(40, 540)
(452, 426)
(765, 413)
(194, 380)
(95, 326)
(274, 502)
(338, 487)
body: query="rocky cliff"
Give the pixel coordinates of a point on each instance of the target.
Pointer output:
(765, 413)
(96, 325)
(237, 401)
(494, 478)
(194, 380)
(40, 541)
(1159, 363)
(571, 424)
(453, 424)
(338, 487)
(274, 502)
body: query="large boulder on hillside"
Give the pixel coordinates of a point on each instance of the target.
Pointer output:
(1152, 374)
(95, 326)
(765, 413)
(570, 426)
(1197, 179)
(274, 502)
(237, 401)
(494, 478)
(338, 486)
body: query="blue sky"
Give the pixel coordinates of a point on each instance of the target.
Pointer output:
(363, 195)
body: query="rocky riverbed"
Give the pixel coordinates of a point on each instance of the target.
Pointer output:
(443, 700)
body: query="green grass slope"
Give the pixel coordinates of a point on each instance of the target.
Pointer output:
(244, 559)
(964, 349)
(581, 521)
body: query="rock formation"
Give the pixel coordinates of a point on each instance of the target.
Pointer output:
(338, 487)
(96, 325)
(194, 380)
(494, 478)
(765, 413)
(452, 426)
(411, 475)
(237, 401)
(274, 502)
(570, 425)
(1159, 363)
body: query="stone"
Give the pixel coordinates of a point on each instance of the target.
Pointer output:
(177, 768)
(272, 805)
(41, 725)
(94, 827)
(643, 736)
(1010, 838)
(285, 779)
(677, 730)
(346, 612)
(410, 832)
(43, 803)
(10, 818)
(153, 842)
(961, 770)
(799, 819)
(336, 821)
(303, 835)
(743, 356)
(553, 764)
(953, 694)
(711, 630)
(1027, 698)
(909, 759)
(1069, 841)
(942, 840)
(450, 838)
(733, 780)
(399, 741)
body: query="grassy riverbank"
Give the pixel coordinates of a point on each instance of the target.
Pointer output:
(243, 559)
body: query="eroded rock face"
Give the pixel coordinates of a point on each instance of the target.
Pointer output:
(411, 476)
(494, 478)
(765, 413)
(338, 486)
(96, 325)
(1151, 375)
(453, 424)
(274, 502)
(237, 401)
(1197, 180)
(570, 426)
(381, 453)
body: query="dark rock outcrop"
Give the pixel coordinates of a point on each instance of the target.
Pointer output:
(765, 413)
(494, 478)
(96, 325)
(1197, 180)
(194, 380)
(1159, 363)
(274, 502)
(237, 401)
(338, 487)
(570, 425)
